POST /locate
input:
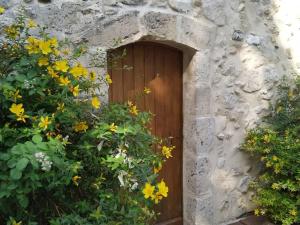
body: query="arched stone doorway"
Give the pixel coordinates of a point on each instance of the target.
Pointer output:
(158, 67)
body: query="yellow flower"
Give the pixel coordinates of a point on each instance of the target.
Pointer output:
(81, 126)
(56, 52)
(60, 107)
(65, 51)
(14, 222)
(78, 71)
(64, 81)
(61, 65)
(279, 109)
(22, 118)
(134, 110)
(167, 151)
(16, 95)
(256, 212)
(45, 47)
(277, 168)
(156, 197)
(75, 90)
(2, 10)
(267, 138)
(43, 61)
(157, 169)
(96, 103)
(44, 122)
(274, 158)
(93, 75)
(113, 127)
(268, 164)
(17, 109)
(275, 186)
(147, 90)
(263, 158)
(31, 24)
(12, 31)
(75, 180)
(108, 79)
(33, 45)
(53, 42)
(148, 190)
(129, 103)
(51, 72)
(162, 188)
(293, 212)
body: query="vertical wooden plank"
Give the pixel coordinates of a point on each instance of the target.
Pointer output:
(160, 91)
(139, 74)
(174, 97)
(117, 73)
(150, 83)
(128, 74)
(109, 70)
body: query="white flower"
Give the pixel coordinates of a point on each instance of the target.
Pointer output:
(134, 186)
(39, 156)
(121, 175)
(42, 158)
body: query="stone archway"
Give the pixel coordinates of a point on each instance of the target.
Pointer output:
(194, 39)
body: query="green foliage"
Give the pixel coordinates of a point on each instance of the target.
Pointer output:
(64, 158)
(277, 146)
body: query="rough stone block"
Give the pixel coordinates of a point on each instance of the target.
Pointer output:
(133, 2)
(199, 211)
(214, 11)
(199, 67)
(199, 135)
(194, 33)
(117, 27)
(181, 5)
(160, 24)
(197, 175)
(198, 99)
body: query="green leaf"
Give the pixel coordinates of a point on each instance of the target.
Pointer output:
(21, 164)
(15, 174)
(37, 138)
(20, 78)
(23, 200)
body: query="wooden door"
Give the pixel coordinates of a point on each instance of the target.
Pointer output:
(159, 68)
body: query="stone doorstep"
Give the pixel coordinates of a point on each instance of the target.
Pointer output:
(253, 220)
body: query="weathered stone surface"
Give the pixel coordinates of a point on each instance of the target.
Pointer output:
(181, 5)
(199, 99)
(108, 35)
(214, 11)
(133, 2)
(199, 211)
(244, 184)
(253, 83)
(197, 179)
(199, 135)
(252, 39)
(193, 33)
(229, 77)
(160, 24)
(159, 3)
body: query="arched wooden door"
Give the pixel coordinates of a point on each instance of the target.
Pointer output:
(159, 68)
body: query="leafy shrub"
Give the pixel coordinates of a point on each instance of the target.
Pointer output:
(64, 157)
(277, 146)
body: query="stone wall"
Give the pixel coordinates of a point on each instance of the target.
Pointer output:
(235, 52)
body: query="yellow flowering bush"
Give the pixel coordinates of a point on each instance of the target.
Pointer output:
(65, 158)
(276, 145)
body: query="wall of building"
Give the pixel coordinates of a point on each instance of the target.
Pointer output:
(235, 53)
